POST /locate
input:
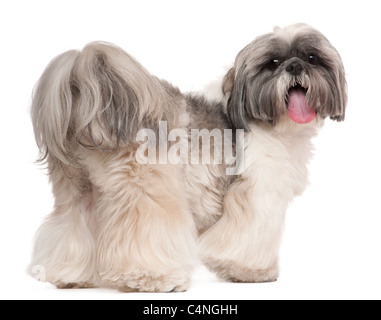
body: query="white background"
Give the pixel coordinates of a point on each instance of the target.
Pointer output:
(332, 243)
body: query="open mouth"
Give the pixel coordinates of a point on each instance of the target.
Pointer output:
(298, 109)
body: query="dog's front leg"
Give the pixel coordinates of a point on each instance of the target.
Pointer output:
(243, 246)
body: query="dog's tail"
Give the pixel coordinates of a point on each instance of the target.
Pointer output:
(99, 97)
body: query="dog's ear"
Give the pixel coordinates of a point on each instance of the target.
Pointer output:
(234, 89)
(341, 94)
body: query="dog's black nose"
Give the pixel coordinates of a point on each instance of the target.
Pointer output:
(295, 68)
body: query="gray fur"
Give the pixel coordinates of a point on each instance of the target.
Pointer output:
(52, 107)
(255, 85)
(205, 114)
(97, 98)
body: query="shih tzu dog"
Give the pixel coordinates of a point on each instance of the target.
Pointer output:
(136, 204)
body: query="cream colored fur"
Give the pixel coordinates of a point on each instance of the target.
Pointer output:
(243, 245)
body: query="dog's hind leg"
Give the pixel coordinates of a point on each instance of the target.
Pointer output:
(146, 239)
(64, 250)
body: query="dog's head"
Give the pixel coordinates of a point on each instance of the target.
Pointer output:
(294, 70)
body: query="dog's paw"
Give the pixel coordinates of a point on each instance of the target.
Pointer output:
(146, 282)
(155, 285)
(235, 272)
(82, 285)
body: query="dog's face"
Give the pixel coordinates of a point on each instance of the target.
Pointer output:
(294, 70)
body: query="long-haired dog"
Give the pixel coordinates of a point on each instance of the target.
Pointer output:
(129, 218)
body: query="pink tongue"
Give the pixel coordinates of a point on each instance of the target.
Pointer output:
(298, 109)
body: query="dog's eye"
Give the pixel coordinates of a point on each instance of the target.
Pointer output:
(312, 59)
(273, 64)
